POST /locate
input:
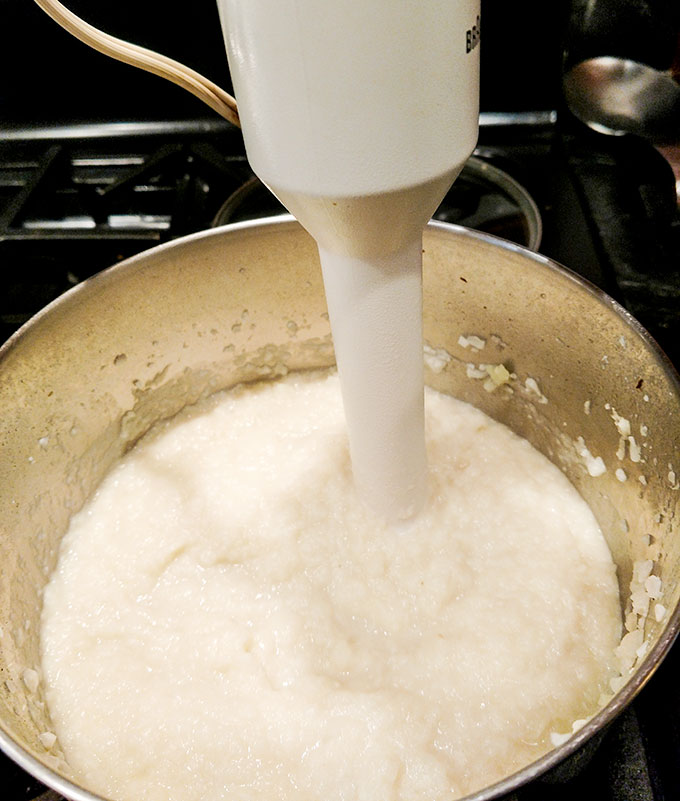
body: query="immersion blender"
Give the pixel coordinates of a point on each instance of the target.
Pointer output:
(358, 115)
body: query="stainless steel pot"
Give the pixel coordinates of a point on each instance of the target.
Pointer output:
(89, 375)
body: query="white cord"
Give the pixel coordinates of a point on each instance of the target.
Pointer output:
(219, 100)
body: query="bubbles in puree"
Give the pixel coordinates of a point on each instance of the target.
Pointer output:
(228, 621)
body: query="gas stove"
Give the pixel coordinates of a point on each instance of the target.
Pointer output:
(77, 199)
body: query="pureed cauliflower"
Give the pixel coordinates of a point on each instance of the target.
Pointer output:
(228, 621)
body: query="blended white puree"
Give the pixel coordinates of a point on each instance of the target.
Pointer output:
(227, 621)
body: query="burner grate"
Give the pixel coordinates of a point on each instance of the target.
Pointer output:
(171, 189)
(70, 209)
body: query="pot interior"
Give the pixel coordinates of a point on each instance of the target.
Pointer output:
(88, 376)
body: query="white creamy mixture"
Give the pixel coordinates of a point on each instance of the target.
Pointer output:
(226, 621)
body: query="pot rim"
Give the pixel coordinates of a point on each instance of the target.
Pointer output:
(54, 780)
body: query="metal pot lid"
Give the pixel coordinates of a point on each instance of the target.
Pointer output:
(487, 199)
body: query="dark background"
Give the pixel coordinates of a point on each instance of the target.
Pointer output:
(48, 76)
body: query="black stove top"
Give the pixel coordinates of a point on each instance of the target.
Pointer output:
(75, 200)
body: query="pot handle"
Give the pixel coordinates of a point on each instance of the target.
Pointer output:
(204, 89)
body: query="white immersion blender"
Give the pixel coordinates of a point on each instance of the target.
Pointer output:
(358, 115)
